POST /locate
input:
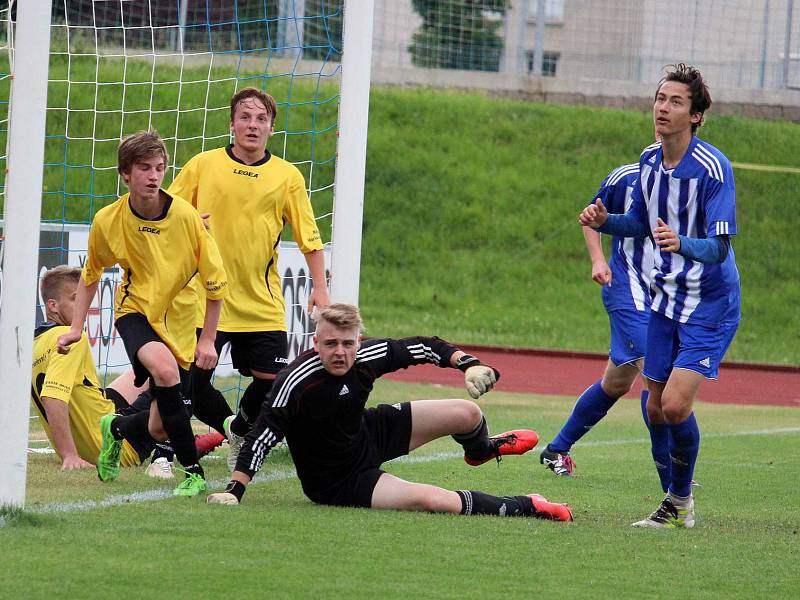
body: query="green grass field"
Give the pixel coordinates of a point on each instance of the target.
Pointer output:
(82, 538)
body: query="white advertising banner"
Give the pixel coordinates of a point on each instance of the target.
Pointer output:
(69, 246)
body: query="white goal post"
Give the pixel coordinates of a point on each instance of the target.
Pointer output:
(30, 44)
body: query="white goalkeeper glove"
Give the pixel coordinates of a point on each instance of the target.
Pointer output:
(479, 380)
(222, 498)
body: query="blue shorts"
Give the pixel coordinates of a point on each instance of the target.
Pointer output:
(692, 346)
(628, 335)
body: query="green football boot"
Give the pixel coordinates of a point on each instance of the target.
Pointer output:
(191, 486)
(108, 459)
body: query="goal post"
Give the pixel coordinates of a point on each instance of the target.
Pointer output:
(26, 133)
(108, 69)
(352, 151)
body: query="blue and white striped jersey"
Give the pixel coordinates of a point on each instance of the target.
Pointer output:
(696, 199)
(631, 258)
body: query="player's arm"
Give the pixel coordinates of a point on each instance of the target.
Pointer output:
(299, 214)
(263, 436)
(601, 273)
(83, 299)
(705, 250)
(205, 354)
(316, 266)
(387, 356)
(58, 419)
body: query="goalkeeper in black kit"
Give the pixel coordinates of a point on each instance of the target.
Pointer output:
(338, 445)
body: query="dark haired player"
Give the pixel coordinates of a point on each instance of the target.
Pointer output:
(686, 201)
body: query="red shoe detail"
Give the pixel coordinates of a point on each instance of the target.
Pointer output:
(207, 442)
(518, 441)
(550, 510)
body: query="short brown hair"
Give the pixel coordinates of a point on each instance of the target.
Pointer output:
(251, 92)
(54, 279)
(698, 90)
(140, 146)
(343, 316)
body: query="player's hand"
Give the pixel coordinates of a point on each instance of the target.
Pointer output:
(666, 238)
(318, 298)
(601, 273)
(65, 340)
(594, 215)
(204, 217)
(479, 380)
(222, 498)
(75, 462)
(205, 356)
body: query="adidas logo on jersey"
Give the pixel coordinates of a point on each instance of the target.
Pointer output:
(706, 362)
(397, 406)
(344, 390)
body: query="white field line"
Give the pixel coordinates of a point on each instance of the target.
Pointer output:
(161, 494)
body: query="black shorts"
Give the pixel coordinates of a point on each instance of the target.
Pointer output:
(263, 351)
(388, 436)
(136, 331)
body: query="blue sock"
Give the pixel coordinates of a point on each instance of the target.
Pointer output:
(592, 406)
(684, 446)
(659, 445)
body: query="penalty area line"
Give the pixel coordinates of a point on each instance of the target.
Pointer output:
(161, 494)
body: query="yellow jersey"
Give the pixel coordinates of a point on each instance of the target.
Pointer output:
(249, 206)
(159, 258)
(72, 379)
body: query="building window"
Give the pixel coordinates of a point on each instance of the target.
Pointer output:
(549, 63)
(553, 11)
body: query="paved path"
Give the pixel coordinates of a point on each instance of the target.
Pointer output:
(569, 373)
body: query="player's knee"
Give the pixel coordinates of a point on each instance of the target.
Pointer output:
(675, 412)
(165, 374)
(470, 413)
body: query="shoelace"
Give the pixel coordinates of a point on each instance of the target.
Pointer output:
(665, 511)
(510, 439)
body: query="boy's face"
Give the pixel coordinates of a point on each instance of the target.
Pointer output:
(671, 109)
(61, 309)
(252, 126)
(337, 347)
(145, 177)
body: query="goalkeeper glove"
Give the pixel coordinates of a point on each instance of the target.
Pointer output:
(478, 378)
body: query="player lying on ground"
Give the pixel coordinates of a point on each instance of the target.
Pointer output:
(338, 446)
(160, 243)
(625, 282)
(686, 202)
(67, 395)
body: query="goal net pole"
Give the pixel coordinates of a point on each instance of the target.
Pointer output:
(351, 151)
(22, 212)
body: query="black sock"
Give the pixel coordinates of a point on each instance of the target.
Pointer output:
(236, 488)
(476, 443)
(478, 503)
(130, 426)
(177, 425)
(208, 403)
(250, 405)
(164, 450)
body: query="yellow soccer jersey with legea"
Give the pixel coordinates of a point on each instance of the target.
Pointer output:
(158, 258)
(72, 378)
(248, 207)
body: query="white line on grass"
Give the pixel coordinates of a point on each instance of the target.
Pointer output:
(161, 494)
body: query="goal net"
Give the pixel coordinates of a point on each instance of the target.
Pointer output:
(120, 66)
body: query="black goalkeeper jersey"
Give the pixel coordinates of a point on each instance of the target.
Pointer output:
(321, 415)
